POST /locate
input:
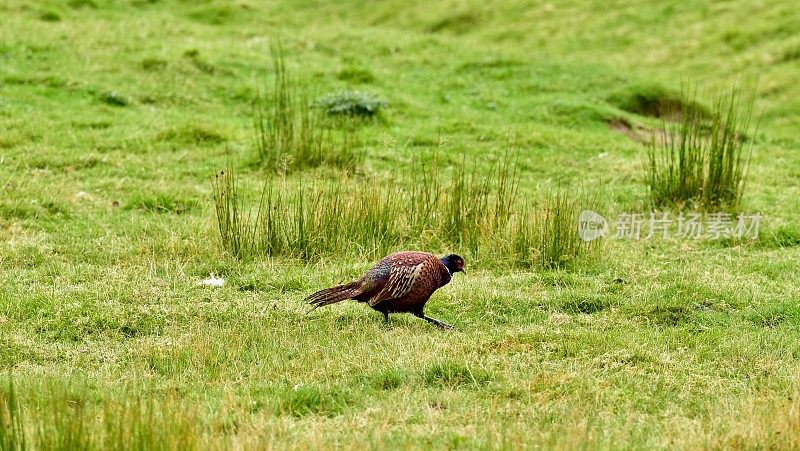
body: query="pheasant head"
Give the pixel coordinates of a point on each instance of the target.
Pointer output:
(454, 263)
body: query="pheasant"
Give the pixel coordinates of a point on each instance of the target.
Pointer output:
(400, 283)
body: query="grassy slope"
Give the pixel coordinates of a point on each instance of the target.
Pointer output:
(99, 304)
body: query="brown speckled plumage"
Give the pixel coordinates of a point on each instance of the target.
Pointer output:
(400, 283)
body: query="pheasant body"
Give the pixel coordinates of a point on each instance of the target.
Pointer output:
(400, 283)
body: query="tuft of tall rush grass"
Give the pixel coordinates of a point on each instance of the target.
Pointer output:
(12, 432)
(66, 418)
(547, 236)
(234, 225)
(702, 159)
(481, 214)
(290, 133)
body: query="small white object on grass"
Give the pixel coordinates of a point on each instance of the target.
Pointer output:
(213, 281)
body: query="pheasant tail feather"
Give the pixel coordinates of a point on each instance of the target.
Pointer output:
(333, 295)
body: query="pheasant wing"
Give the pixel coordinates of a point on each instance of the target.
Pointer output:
(402, 278)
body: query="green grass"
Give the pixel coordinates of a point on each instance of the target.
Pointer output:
(115, 116)
(452, 374)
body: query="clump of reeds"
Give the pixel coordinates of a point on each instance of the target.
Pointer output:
(546, 234)
(702, 160)
(290, 133)
(478, 213)
(236, 229)
(67, 418)
(12, 432)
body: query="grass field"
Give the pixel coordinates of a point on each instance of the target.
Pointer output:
(115, 117)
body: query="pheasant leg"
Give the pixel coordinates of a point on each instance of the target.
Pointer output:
(436, 322)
